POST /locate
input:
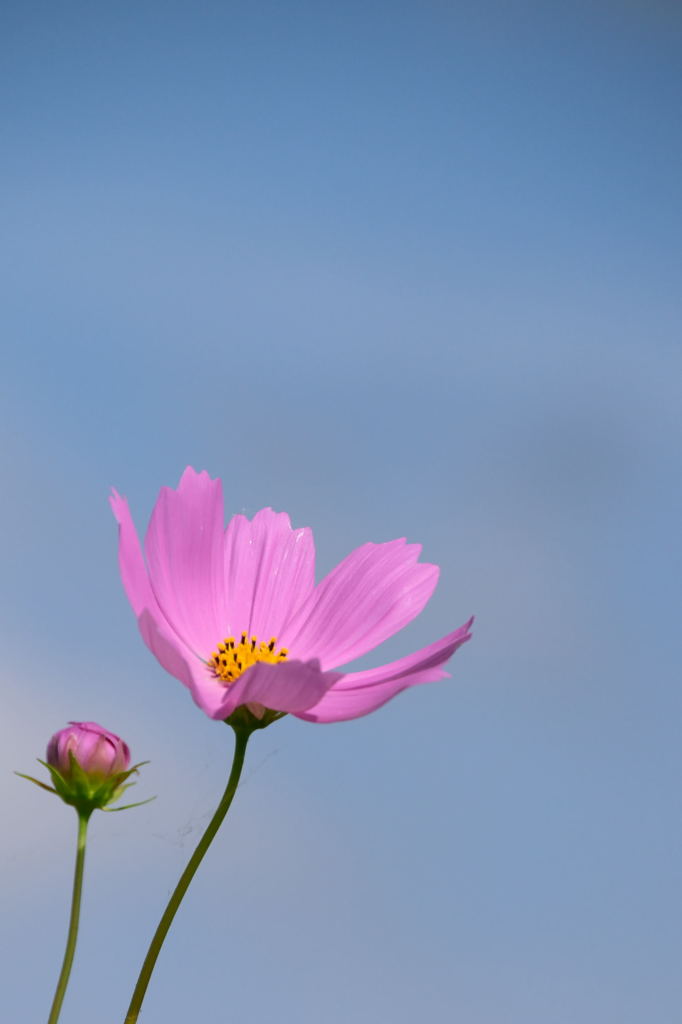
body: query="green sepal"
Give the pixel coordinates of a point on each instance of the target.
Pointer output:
(87, 791)
(126, 807)
(243, 720)
(37, 783)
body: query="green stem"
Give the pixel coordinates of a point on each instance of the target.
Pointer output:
(73, 921)
(241, 739)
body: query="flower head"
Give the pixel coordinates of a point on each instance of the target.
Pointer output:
(235, 615)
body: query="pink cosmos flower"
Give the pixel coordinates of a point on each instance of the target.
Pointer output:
(235, 614)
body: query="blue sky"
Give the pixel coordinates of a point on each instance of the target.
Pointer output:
(399, 270)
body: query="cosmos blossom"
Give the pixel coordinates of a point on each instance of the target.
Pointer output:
(234, 613)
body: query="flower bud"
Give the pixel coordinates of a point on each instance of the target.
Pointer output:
(96, 750)
(89, 767)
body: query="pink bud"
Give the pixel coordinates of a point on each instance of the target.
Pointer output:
(97, 751)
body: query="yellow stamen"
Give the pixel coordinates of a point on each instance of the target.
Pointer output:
(231, 659)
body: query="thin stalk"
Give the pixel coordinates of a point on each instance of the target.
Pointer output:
(73, 921)
(241, 739)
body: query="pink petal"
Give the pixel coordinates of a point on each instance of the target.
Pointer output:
(358, 693)
(169, 650)
(184, 554)
(156, 632)
(133, 570)
(367, 598)
(269, 572)
(292, 686)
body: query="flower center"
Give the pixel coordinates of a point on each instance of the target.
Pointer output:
(231, 659)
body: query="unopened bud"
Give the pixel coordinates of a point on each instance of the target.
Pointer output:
(89, 767)
(96, 750)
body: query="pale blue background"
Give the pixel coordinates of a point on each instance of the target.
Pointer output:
(398, 269)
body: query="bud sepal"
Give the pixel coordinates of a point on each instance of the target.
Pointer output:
(88, 791)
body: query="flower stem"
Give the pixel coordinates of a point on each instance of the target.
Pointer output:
(60, 991)
(241, 739)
